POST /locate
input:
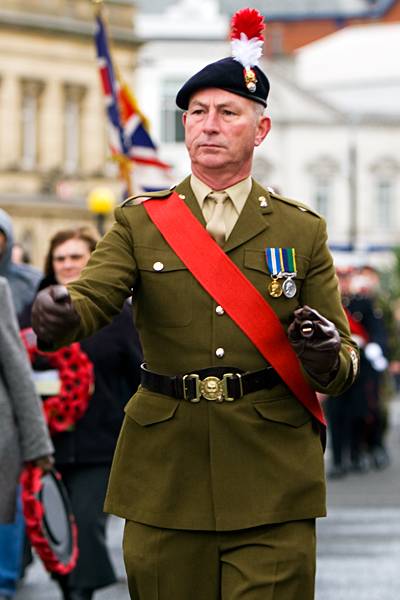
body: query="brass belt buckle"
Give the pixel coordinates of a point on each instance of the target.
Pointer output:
(211, 388)
(185, 378)
(225, 385)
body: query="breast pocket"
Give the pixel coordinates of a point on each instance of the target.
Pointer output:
(256, 270)
(164, 289)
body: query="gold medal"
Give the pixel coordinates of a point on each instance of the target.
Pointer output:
(275, 288)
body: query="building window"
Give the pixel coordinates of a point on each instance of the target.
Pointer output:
(171, 117)
(385, 179)
(31, 91)
(72, 128)
(323, 171)
(322, 197)
(385, 204)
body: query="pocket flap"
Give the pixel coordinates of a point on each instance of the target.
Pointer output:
(157, 260)
(148, 409)
(283, 410)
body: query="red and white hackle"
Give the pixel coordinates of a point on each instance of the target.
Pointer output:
(247, 26)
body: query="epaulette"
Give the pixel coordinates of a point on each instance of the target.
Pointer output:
(296, 203)
(133, 200)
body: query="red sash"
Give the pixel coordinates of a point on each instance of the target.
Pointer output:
(222, 279)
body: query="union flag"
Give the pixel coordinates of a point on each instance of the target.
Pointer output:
(129, 139)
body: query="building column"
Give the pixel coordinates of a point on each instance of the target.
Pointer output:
(51, 126)
(10, 110)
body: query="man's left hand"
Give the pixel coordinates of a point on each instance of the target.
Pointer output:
(316, 342)
(45, 463)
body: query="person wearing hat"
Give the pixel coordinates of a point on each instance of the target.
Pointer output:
(219, 468)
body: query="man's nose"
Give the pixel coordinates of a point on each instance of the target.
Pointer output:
(211, 121)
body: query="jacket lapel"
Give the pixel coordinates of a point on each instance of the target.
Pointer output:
(251, 221)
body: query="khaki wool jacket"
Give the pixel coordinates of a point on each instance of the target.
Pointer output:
(212, 466)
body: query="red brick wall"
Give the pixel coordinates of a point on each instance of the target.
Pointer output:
(285, 37)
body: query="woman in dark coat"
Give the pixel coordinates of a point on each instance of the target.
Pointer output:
(83, 456)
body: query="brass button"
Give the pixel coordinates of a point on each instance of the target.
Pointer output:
(158, 266)
(220, 352)
(219, 310)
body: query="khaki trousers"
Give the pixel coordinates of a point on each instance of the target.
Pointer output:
(271, 562)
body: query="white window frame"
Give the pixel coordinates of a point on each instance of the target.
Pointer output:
(172, 131)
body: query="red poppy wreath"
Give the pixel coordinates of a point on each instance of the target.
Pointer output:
(58, 554)
(75, 371)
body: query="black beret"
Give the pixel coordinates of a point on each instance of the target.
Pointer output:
(226, 74)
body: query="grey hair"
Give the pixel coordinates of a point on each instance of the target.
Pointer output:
(259, 109)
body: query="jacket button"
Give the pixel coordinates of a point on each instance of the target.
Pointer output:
(158, 266)
(219, 310)
(219, 353)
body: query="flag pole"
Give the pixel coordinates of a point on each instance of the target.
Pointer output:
(124, 164)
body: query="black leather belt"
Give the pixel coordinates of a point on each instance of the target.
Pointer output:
(217, 384)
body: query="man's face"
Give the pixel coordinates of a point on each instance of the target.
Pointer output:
(3, 243)
(222, 129)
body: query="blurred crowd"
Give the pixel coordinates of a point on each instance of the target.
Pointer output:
(358, 419)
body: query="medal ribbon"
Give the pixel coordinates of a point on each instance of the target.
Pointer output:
(281, 260)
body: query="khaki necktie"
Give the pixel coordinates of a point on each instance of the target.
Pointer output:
(216, 225)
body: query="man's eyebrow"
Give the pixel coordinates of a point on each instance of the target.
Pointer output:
(228, 104)
(198, 103)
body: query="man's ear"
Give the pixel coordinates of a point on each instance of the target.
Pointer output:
(263, 129)
(184, 118)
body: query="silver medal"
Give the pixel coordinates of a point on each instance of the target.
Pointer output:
(289, 288)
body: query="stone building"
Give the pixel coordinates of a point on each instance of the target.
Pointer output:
(53, 142)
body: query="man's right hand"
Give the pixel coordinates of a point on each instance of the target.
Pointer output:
(53, 314)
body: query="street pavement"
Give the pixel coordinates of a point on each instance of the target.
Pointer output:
(358, 543)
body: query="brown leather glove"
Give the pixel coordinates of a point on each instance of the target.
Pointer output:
(53, 315)
(45, 463)
(316, 342)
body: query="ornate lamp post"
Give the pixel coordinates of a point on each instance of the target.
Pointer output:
(101, 202)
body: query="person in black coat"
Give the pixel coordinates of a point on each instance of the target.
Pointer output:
(355, 417)
(83, 455)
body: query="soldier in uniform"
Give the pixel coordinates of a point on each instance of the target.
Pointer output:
(219, 468)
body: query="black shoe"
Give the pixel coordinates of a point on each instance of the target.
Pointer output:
(360, 465)
(336, 472)
(380, 458)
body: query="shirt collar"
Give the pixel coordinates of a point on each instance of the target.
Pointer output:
(238, 193)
